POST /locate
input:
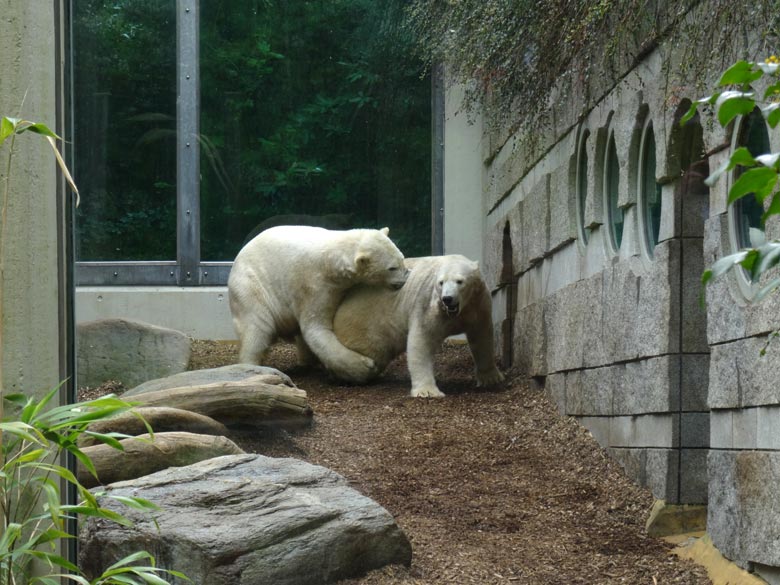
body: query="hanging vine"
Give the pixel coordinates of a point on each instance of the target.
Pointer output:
(511, 54)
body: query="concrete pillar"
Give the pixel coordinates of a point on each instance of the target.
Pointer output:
(31, 304)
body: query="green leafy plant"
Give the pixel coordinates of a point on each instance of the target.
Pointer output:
(33, 442)
(33, 516)
(760, 173)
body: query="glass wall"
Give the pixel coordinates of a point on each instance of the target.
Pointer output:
(304, 112)
(124, 110)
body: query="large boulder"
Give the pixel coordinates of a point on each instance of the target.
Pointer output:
(131, 352)
(248, 519)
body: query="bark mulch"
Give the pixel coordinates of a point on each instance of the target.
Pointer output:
(490, 485)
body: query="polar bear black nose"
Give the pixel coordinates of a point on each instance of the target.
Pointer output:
(447, 300)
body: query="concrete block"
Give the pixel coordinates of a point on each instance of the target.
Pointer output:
(565, 326)
(633, 461)
(695, 374)
(768, 427)
(650, 385)
(724, 388)
(649, 430)
(744, 510)
(740, 376)
(530, 340)
(658, 315)
(725, 317)
(555, 390)
(499, 304)
(619, 318)
(535, 235)
(574, 405)
(599, 427)
(563, 212)
(745, 428)
(725, 505)
(695, 429)
(693, 476)
(200, 312)
(530, 287)
(560, 269)
(694, 315)
(491, 265)
(721, 429)
(590, 291)
(596, 388)
(669, 217)
(661, 475)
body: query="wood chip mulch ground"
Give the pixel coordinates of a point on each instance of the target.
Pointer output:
(490, 485)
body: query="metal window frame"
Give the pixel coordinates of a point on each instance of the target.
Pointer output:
(188, 269)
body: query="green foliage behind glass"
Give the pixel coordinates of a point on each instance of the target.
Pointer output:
(314, 108)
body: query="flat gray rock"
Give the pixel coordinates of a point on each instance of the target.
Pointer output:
(232, 373)
(246, 520)
(131, 352)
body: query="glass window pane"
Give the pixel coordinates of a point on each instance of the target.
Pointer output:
(651, 191)
(748, 210)
(582, 186)
(314, 113)
(124, 102)
(612, 185)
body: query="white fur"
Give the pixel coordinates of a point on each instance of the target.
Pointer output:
(382, 324)
(289, 280)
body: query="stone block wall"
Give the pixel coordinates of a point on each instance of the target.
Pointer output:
(677, 391)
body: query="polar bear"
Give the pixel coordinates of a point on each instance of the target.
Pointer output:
(288, 281)
(444, 295)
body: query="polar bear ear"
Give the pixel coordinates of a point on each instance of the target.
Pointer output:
(362, 260)
(385, 230)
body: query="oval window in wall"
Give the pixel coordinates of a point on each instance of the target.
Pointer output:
(649, 191)
(746, 212)
(612, 192)
(582, 186)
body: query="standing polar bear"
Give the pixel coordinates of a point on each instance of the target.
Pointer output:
(288, 281)
(444, 295)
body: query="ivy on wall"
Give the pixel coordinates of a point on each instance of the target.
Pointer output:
(510, 54)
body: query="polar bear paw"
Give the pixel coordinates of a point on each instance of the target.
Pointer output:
(430, 391)
(489, 377)
(358, 370)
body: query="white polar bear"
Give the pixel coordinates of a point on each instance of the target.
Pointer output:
(288, 281)
(444, 295)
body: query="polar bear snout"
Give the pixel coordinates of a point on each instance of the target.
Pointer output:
(400, 279)
(450, 305)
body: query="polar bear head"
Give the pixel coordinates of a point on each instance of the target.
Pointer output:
(457, 280)
(378, 261)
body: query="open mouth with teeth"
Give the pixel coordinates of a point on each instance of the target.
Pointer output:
(451, 309)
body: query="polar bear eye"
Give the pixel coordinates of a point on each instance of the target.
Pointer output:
(459, 281)
(441, 283)
(393, 268)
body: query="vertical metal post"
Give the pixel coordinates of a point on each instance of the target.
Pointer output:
(437, 160)
(188, 149)
(65, 247)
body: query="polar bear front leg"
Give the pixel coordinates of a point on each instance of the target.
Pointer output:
(420, 349)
